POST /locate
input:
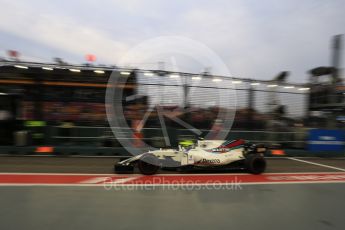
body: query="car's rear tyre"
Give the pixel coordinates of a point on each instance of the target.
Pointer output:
(123, 169)
(148, 165)
(255, 164)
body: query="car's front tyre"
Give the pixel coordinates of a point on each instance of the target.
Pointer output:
(148, 164)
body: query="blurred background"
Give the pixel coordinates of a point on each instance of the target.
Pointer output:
(286, 86)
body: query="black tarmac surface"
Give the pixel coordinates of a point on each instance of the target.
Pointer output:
(287, 206)
(302, 206)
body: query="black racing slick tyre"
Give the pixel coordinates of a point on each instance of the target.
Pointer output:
(148, 165)
(255, 164)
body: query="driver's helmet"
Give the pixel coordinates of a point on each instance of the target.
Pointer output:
(187, 144)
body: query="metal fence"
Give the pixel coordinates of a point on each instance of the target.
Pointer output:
(154, 104)
(104, 137)
(258, 111)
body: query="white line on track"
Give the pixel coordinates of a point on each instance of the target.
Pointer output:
(317, 164)
(207, 185)
(305, 157)
(124, 180)
(168, 174)
(94, 180)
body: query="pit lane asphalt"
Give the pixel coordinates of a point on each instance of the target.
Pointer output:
(282, 206)
(54, 164)
(267, 207)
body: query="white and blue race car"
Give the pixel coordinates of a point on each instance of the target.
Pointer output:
(205, 154)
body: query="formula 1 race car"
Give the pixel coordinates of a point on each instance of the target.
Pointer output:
(205, 154)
